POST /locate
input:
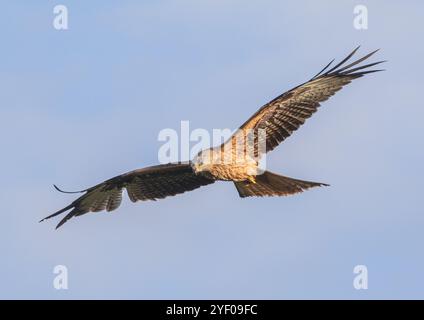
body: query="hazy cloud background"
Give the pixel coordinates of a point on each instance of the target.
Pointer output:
(82, 105)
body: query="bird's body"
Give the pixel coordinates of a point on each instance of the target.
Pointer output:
(236, 160)
(217, 164)
(228, 172)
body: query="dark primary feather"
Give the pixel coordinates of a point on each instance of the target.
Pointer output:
(150, 183)
(286, 113)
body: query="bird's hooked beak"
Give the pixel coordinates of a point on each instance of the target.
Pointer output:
(200, 163)
(196, 164)
(196, 167)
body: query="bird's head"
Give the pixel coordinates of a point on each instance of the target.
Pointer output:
(202, 161)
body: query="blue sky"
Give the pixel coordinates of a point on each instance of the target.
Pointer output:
(82, 105)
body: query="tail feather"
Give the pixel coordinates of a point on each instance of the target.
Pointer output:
(271, 184)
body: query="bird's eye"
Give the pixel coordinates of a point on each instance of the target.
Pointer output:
(199, 161)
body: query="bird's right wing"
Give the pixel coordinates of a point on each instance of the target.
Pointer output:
(150, 183)
(279, 118)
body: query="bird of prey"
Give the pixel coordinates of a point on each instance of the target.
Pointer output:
(278, 119)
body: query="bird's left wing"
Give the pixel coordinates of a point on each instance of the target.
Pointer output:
(282, 116)
(150, 183)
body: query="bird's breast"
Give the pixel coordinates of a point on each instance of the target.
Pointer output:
(233, 172)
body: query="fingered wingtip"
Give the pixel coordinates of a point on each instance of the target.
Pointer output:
(359, 46)
(60, 190)
(62, 222)
(354, 51)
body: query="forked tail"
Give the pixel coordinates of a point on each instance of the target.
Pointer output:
(271, 184)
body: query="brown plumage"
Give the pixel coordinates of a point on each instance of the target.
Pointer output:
(149, 183)
(286, 113)
(278, 119)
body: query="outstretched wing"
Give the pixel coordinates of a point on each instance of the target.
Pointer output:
(150, 183)
(282, 116)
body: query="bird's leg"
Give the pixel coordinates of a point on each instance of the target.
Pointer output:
(251, 179)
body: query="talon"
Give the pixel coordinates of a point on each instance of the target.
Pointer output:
(252, 179)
